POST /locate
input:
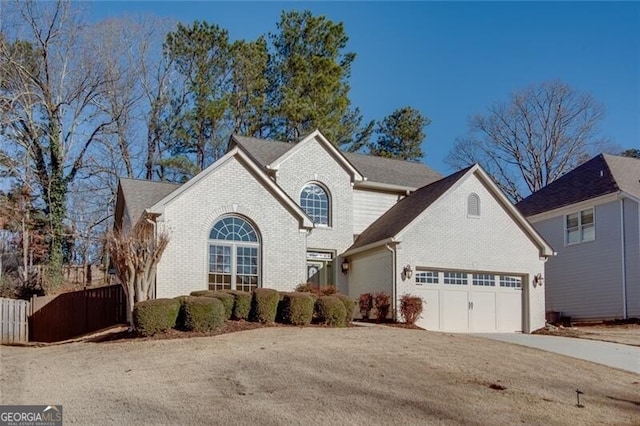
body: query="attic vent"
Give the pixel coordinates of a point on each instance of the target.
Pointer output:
(473, 205)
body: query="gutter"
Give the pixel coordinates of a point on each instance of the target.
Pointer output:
(366, 247)
(366, 184)
(624, 260)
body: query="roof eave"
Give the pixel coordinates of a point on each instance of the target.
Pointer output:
(370, 246)
(366, 184)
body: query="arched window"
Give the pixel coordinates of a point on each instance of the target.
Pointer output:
(234, 255)
(314, 200)
(473, 205)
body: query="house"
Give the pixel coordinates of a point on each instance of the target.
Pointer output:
(275, 215)
(591, 218)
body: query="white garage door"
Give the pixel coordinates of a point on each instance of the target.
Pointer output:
(469, 302)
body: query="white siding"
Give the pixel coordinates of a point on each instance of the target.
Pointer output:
(313, 163)
(371, 272)
(369, 206)
(445, 237)
(584, 280)
(632, 252)
(229, 189)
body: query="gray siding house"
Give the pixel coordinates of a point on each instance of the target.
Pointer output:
(591, 217)
(274, 214)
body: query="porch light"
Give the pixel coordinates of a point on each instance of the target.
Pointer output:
(407, 272)
(538, 279)
(345, 266)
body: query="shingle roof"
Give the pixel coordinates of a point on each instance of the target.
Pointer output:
(603, 174)
(375, 169)
(406, 210)
(141, 194)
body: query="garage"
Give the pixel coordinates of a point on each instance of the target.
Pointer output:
(466, 301)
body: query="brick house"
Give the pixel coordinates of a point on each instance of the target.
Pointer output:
(273, 214)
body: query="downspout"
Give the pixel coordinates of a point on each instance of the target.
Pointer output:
(624, 260)
(393, 279)
(155, 237)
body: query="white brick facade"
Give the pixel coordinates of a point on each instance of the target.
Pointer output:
(444, 237)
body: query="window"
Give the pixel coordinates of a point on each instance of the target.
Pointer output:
(580, 227)
(486, 280)
(456, 278)
(426, 277)
(315, 202)
(473, 205)
(234, 255)
(509, 281)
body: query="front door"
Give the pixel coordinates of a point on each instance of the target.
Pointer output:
(320, 269)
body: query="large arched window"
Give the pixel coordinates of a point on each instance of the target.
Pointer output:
(314, 200)
(234, 255)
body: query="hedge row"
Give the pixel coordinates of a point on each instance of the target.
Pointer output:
(206, 310)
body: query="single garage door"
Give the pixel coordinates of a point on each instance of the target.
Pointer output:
(462, 301)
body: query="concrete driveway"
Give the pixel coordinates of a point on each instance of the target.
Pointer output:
(615, 355)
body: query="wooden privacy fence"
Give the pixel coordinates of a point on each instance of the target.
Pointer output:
(14, 321)
(68, 315)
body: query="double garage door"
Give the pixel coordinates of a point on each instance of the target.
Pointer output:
(460, 301)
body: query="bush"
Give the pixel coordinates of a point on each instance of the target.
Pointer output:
(365, 303)
(411, 308)
(241, 304)
(226, 299)
(201, 293)
(201, 313)
(154, 316)
(264, 305)
(314, 289)
(349, 305)
(296, 308)
(383, 305)
(330, 310)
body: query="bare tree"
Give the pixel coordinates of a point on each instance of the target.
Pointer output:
(135, 253)
(541, 133)
(52, 81)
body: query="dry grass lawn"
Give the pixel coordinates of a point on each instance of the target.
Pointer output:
(282, 375)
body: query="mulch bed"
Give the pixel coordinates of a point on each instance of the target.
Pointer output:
(228, 327)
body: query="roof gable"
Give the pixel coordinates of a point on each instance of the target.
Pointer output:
(406, 175)
(602, 175)
(407, 210)
(278, 192)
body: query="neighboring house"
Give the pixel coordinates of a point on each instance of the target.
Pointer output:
(273, 214)
(590, 216)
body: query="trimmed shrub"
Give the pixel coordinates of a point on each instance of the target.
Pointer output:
(411, 308)
(241, 304)
(296, 308)
(330, 310)
(383, 304)
(306, 288)
(226, 299)
(201, 313)
(349, 305)
(365, 303)
(154, 316)
(264, 305)
(200, 293)
(328, 290)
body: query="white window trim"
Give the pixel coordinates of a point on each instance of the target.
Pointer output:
(477, 198)
(580, 226)
(329, 223)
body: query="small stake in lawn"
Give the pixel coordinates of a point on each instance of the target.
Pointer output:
(578, 393)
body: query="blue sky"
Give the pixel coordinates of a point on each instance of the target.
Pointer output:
(452, 60)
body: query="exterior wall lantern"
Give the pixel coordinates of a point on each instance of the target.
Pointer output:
(538, 279)
(407, 272)
(345, 266)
